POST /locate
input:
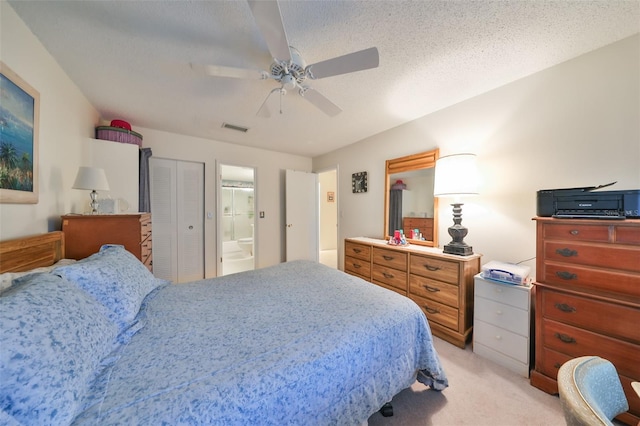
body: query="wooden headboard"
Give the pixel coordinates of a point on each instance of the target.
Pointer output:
(23, 254)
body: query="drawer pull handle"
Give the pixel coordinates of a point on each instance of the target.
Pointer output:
(431, 310)
(356, 250)
(564, 338)
(565, 275)
(566, 252)
(355, 265)
(565, 308)
(431, 268)
(387, 258)
(557, 365)
(386, 275)
(574, 232)
(431, 289)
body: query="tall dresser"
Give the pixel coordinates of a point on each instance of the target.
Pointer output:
(441, 284)
(85, 234)
(588, 299)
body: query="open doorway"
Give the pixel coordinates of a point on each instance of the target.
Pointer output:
(236, 210)
(328, 240)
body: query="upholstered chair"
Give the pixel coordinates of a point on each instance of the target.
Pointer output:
(590, 391)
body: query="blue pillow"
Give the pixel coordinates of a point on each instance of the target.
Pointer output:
(53, 336)
(114, 277)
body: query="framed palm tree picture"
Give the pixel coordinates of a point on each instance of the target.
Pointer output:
(19, 122)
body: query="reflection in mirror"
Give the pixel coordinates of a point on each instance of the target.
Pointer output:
(409, 202)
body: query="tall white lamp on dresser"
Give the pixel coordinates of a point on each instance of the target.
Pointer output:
(502, 324)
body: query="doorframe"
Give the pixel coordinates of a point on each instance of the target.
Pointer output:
(335, 168)
(219, 230)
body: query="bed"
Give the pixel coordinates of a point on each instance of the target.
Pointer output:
(101, 341)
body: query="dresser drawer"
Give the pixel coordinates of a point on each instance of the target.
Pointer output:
(438, 312)
(503, 293)
(434, 290)
(146, 248)
(576, 342)
(618, 233)
(602, 255)
(627, 283)
(357, 266)
(613, 319)
(577, 232)
(627, 235)
(511, 344)
(359, 251)
(512, 319)
(390, 258)
(552, 361)
(389, 276)
(431, 267)
(145, 229)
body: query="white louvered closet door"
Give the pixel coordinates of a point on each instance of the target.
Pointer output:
(177, 202)
(190, 221)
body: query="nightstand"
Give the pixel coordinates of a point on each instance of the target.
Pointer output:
(502, 324)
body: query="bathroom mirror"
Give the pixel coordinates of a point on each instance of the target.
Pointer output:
(409, 203)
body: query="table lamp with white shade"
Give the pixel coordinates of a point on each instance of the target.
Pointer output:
(456, 176)
(94, 179)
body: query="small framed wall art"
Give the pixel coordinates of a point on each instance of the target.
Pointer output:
(359, 182)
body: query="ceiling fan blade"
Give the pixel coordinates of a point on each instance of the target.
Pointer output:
(269, 20)
(322, 103)
(351, 62)
(222, 71)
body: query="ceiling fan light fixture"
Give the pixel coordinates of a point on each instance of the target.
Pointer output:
(288, 82)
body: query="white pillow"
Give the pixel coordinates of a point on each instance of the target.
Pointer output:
(7, 278)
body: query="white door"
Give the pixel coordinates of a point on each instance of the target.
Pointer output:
(177, 215)
(162, 174)
(190, 220)
(301, 198)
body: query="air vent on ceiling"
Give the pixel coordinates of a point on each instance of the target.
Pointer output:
(234, 127)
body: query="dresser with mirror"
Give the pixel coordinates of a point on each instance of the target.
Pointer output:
(441, 284)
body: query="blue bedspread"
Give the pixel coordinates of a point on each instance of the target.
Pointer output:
(296, 343)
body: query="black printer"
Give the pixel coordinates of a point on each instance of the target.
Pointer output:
(588, 203)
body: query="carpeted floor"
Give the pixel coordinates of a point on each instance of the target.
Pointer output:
(480, 393)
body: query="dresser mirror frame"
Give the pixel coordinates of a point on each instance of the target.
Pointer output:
(410, 164)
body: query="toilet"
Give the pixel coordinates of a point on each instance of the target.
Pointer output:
(246, 244)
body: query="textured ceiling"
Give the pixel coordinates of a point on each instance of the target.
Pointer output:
(132, 59)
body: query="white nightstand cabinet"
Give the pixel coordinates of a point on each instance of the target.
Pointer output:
(502, 324)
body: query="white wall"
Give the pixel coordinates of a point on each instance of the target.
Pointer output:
(328, 210)
(67, 120)
(575, 124)
(269, 186)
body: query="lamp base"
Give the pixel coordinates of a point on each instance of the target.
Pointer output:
(94, 202)
(457, 246)
(458, 249)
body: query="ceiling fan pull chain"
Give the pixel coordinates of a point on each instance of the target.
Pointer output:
(282, 92)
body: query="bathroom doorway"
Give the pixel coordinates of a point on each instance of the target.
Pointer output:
(236, 213)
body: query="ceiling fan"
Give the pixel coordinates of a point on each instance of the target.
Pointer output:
(288, 67)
